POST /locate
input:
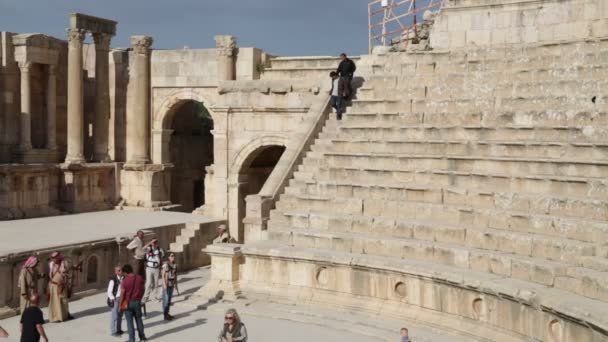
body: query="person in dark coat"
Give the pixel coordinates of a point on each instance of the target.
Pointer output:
(346, 71)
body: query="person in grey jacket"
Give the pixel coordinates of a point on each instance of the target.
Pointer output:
(405, 336)
(233, 329)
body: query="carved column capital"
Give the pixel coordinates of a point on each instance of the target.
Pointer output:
(76, 37)
(102, 41)
(225, 45)
(141, 44)
(25, 67)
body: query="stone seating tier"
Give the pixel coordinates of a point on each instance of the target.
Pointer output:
(489, 161)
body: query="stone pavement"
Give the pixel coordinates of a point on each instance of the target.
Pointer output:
(265, 322)
(48, 232)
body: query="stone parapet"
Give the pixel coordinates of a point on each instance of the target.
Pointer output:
(226, 260)
(145, 185)
(87, 187)
(470, 23)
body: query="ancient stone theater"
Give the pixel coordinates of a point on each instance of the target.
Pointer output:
(465, 188)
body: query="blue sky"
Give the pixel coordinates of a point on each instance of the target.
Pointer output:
(283, 27)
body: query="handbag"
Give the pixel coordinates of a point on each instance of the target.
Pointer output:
(124, 303)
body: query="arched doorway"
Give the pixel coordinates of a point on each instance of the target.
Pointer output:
(191, 151)
(253, 175)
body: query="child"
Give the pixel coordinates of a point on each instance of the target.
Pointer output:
(337, 93)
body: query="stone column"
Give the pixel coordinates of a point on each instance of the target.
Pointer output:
(51, 103)
(75, 153)
(139, 117)
(226, 46)
(102, 97)
(25, 137)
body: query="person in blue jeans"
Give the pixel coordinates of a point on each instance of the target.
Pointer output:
(114, 302)
(169, 277)
(337, 94)
(132, 289)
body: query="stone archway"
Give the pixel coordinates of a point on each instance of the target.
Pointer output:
(190, 150)
(252, 174)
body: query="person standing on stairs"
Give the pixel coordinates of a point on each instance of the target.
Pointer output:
(337, 93)
(346, 71)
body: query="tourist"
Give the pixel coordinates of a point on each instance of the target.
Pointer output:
(132, 291)
(222, 235)
(114, 302)
(405, 335)
(233, 329)
(28, 281)
(169, 277)
(346, 71)
(58, 289)
(3, 333)
(153, 257)
(32, 322)
(138, 248)
(337, 93)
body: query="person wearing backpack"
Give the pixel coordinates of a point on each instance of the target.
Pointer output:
(153, 257)
(114, 302)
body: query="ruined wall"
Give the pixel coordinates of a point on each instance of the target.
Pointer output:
(499, 22)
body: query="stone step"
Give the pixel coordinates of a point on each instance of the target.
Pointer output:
(526, 292)
(538, 204)
(570, 134)
(185, 236)
(308, 62)
(480, 181)
(425, 163)
(305, 212)
(533, 269)
(535, 118)
(509, 149)
(308, 73)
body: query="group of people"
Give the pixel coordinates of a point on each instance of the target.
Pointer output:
(58, 292)
(130, 289)
(341, 84)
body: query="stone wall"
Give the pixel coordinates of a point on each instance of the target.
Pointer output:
(468, 23)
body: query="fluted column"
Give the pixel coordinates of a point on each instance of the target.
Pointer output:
(226, 46)
(139, 117)
(101, 120)
(75, 153)
(25, 136)
(51, 104)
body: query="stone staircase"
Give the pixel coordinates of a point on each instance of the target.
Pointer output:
(188, 245)
(493, 163)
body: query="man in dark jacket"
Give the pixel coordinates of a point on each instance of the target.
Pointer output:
(346, 70)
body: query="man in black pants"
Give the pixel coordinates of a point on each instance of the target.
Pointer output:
(346, 70)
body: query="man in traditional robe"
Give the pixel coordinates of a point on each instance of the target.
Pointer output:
(28, 282)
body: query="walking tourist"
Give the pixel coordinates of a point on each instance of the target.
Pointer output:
(138, 248)
(32, 322)
(28, 281)
(222, 235)
(405, 335)
(114, 302)
(337, 94)
(169, 276)
(58, 289)
(233, 330)
(346, 70)
(153, 257)
(132, 292)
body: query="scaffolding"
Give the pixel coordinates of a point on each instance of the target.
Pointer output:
(397, 21)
